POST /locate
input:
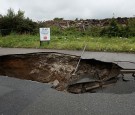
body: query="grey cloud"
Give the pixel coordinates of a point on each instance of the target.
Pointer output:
(70, 9)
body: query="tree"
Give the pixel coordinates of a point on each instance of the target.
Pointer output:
(10, 13)
(113, 28)
(131, 26)
(0, 15)
(16, 22)
(20, 14)
(58, 19)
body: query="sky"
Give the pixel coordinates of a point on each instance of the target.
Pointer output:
(42, 10)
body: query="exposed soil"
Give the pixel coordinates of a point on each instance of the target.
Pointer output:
(57, 68)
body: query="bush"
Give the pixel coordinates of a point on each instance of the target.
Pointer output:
(113, 29)
(16, 23)
(131, 26)
(93, 31)
(55, 30)
(5, 32)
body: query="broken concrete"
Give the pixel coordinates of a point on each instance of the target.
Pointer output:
(57, 68)
(90, 86)
(42, 67)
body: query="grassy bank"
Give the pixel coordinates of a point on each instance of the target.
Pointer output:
(70, 43)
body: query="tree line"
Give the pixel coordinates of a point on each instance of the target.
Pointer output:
(17, 23)
(118, 30)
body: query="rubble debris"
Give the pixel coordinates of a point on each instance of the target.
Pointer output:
(89, 86)
(83, 24)
(55, 83)
(58, 68)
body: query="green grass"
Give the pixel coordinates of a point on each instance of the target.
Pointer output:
(70, 43)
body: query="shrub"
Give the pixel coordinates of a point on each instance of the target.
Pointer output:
(16, 23)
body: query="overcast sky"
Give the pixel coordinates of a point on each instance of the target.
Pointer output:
(70, 9)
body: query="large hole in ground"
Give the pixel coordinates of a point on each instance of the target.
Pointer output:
(56, 68)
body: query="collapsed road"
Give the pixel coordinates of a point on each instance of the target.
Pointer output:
(58, 69)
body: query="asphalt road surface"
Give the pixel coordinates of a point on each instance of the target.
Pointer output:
(122, 59)
(24, 97)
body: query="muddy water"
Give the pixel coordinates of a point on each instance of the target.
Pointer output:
(56, 68)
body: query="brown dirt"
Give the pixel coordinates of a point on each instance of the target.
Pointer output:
(48, 67)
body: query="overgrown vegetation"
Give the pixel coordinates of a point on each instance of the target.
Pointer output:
(18, 31)
(116, 30)
(16, 23)
(112, 30)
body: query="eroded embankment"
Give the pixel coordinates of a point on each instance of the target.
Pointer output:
(58, 68)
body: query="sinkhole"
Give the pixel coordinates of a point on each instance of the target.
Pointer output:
(91, 76)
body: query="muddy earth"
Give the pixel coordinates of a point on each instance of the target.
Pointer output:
(58, 69)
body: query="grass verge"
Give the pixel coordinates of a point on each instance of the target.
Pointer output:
(70, 43)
